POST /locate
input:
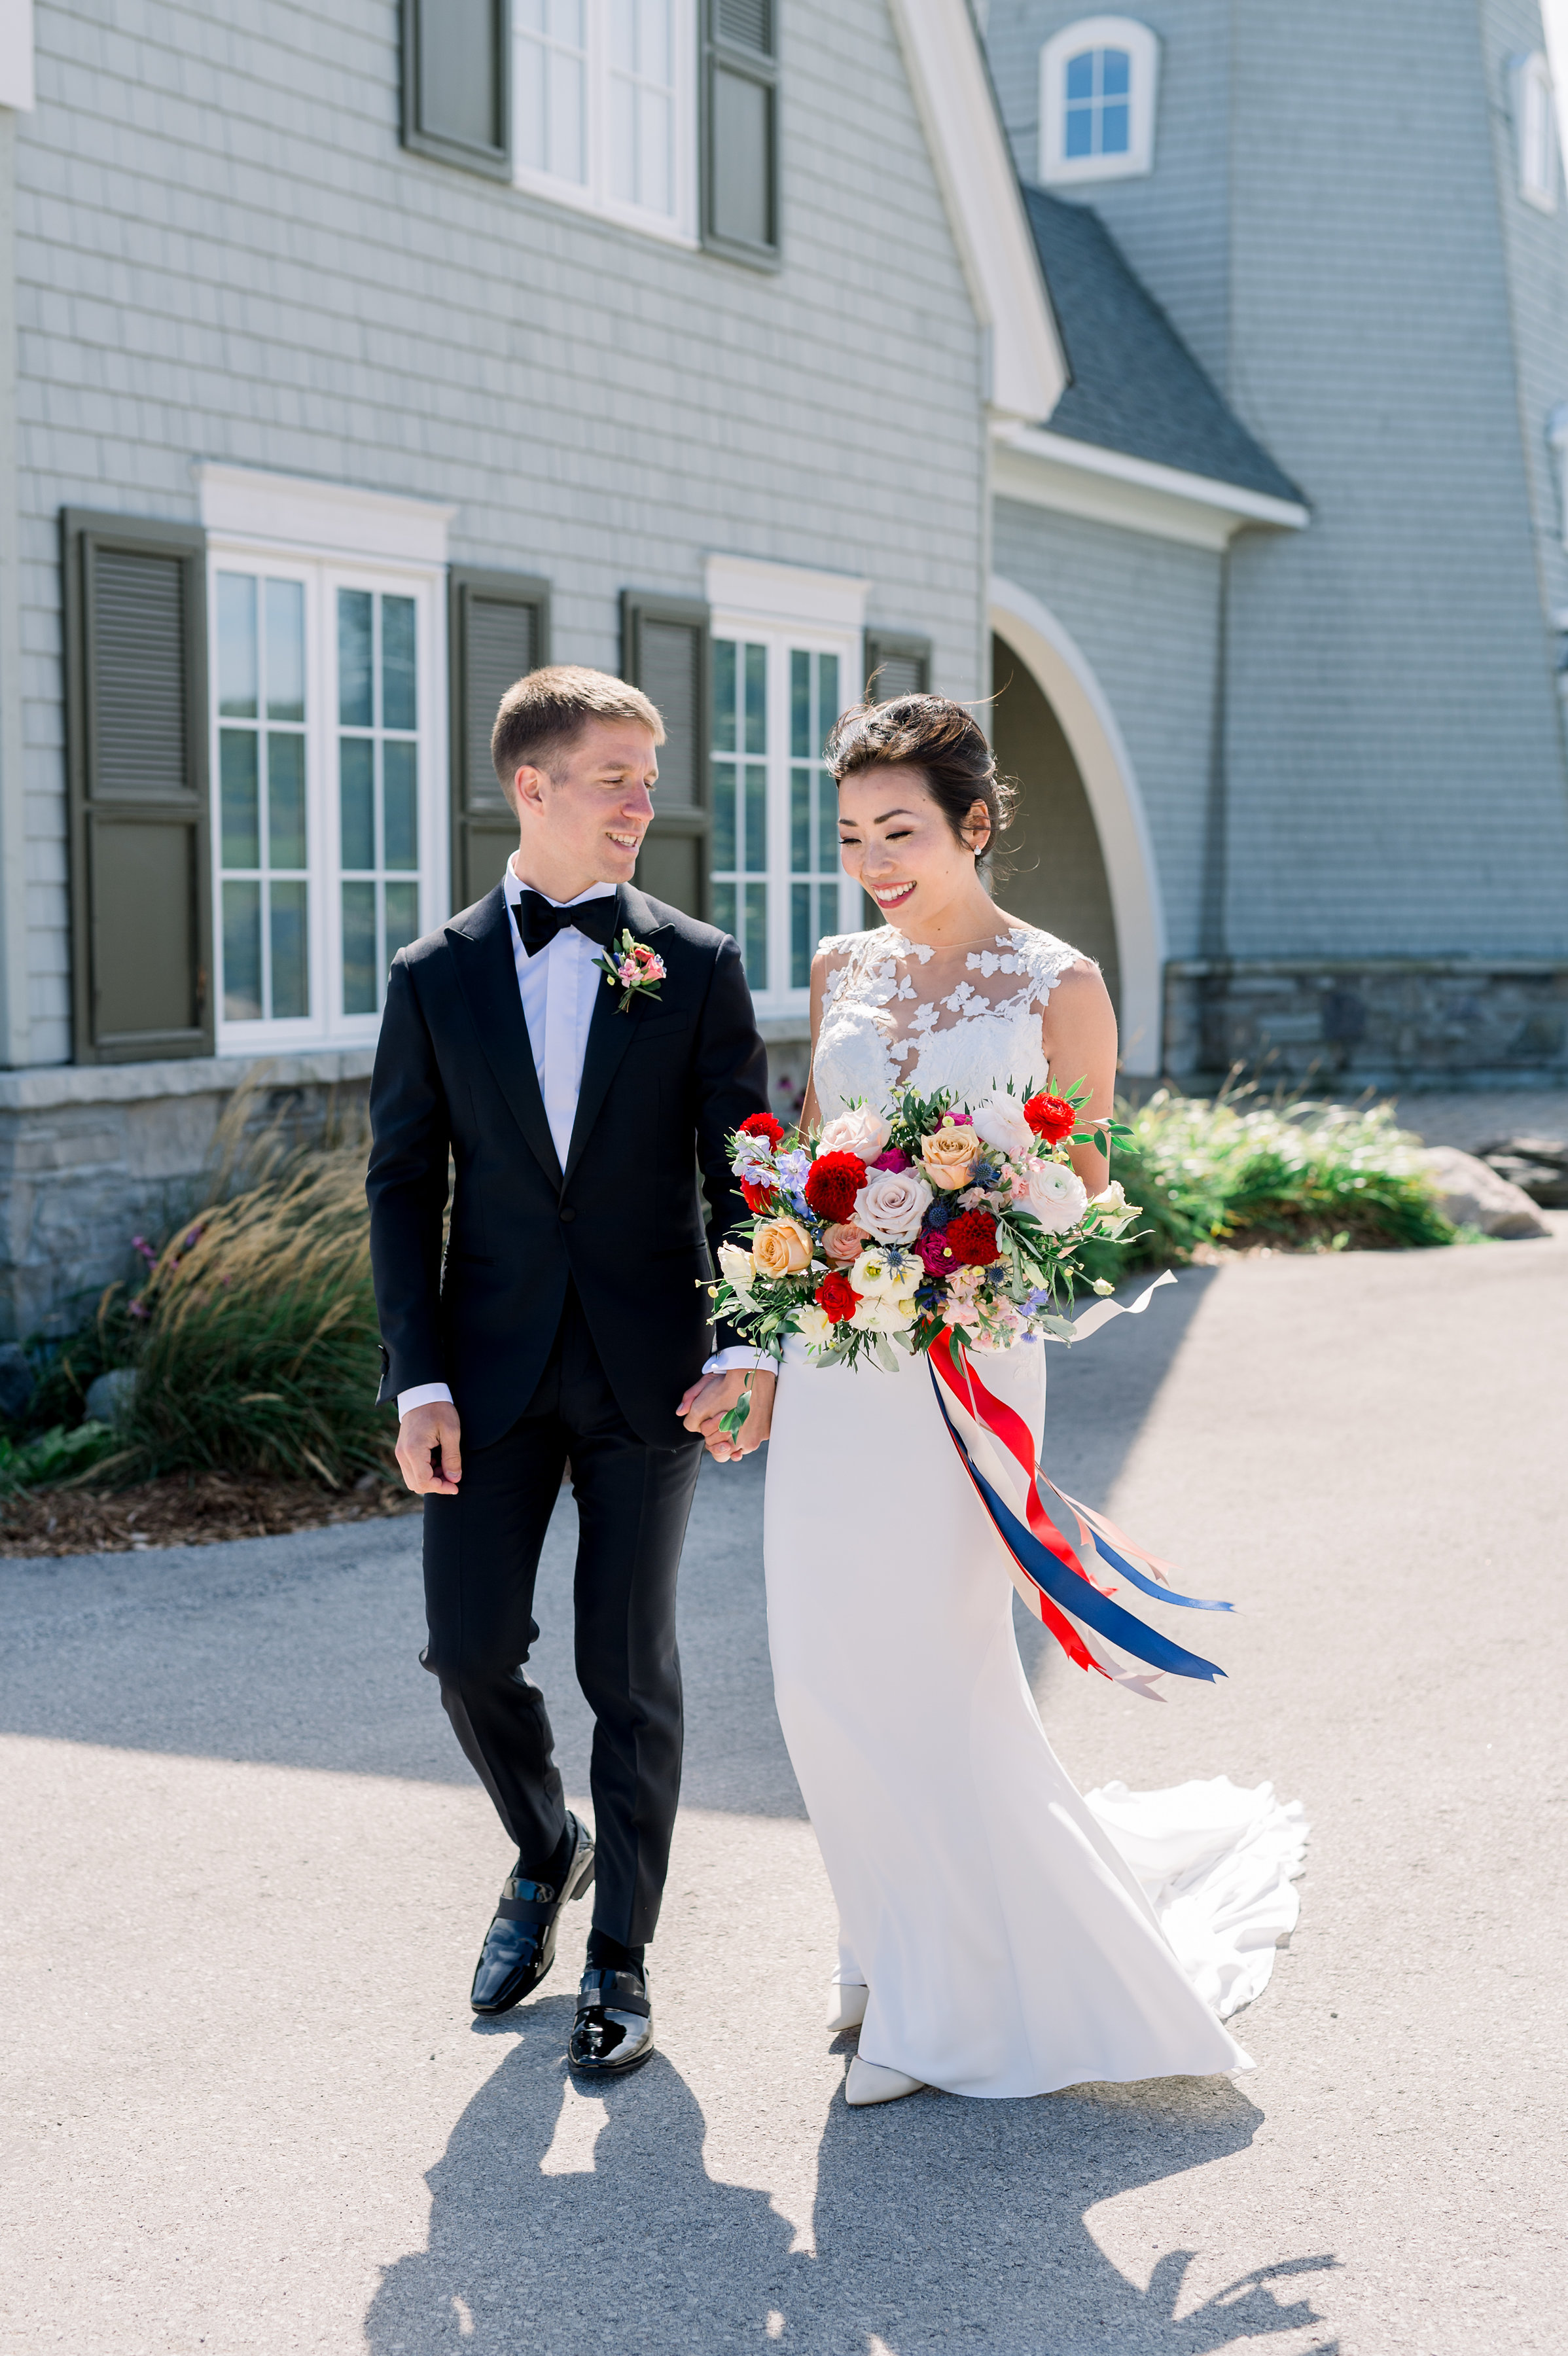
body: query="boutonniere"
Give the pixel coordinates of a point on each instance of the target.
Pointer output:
(636, 972)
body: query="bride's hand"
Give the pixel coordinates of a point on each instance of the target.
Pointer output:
(713, 1397)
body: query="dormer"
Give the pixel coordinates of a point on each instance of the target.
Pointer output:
(1099, 86)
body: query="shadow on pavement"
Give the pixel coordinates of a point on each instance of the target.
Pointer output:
(937, 2222)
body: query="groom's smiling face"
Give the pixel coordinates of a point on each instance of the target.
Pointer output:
(582, 819)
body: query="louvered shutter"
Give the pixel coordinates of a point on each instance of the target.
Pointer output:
(141, 883)
(456, 83)
(498, 628)
(897, 664)
(665, 650)
(740, 130)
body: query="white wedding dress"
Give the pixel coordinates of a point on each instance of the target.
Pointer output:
(1014, 1935)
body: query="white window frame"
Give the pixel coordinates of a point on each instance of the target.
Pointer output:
(1057, 169)
(592, 194)
(1535, 112)
(788, 608)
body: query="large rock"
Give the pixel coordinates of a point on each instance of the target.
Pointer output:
(1538, 1164)
(1473, 1195)
(17, 1381)
(109, 1399)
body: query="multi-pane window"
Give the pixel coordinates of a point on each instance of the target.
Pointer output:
(603, 106)
(814, 899)
(327, 821)
(263, 857)
(740, 845)
(378, 789)
(777, 882)
(1096, 91)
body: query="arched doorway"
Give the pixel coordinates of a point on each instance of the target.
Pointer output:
(1056, 875)
(1115, 859)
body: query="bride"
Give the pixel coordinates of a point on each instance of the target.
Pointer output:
(1000, 1934)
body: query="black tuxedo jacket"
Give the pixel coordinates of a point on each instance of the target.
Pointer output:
(662, 1085)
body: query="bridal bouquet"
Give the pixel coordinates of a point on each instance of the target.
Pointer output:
(887, 1233)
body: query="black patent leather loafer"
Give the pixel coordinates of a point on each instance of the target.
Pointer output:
(520, 1945)
(613, 2032)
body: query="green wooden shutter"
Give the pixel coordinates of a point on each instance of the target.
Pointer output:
(499, 627)
(141, 876)
(897, 664)
(456, 83)
(740, 130)
(666, 651)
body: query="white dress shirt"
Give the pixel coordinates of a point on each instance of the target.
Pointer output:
(557, 986)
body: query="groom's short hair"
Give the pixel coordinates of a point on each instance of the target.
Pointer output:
(543, 715)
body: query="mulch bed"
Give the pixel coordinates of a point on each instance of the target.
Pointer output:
(188, 1509)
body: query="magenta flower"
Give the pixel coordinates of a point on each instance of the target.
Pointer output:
(936, 1256)
(892, 1159)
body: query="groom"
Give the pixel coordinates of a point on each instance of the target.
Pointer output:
(566, 1318)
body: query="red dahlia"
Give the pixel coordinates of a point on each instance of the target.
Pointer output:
(836, 1296)
(833, 1183)
(971, 1238)
(1052, 1118)
(758, 1198)
(762, 1124)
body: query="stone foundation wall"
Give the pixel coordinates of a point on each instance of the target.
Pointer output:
(90, 1156)
(1374, 1023)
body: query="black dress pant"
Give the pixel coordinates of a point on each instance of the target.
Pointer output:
(481, 1557)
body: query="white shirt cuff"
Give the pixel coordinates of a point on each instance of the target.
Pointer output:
(736, 1358)
(421, 1395)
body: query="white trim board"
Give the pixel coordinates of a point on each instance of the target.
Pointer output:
(786, 594)
(1089, 723)
(1052, 470)
(245, 503)
(974, 170)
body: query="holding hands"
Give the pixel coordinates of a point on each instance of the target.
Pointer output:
(713, 1396)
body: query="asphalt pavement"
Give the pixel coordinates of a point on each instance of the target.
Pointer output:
(244, 1872)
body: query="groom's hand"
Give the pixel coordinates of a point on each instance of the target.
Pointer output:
(713, 1396)
(423, 1430)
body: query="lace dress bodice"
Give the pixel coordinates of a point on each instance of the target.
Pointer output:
(897, 1013)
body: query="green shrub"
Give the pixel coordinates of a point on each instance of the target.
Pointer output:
(1230, 1170)
(256, 1336)
(56, 1455)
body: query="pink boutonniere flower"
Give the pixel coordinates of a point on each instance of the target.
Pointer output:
(633, 969)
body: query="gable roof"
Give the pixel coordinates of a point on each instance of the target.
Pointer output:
(1135, 387)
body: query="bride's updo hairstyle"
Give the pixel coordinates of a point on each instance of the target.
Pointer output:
(940, 738)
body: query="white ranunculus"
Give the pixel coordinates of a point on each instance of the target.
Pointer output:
(872, 1277)
(1002, 1124)
(1056, 1196)
(1111, 1199)
(884, 1312)
(736, 1267)
(859, 1130)
(813, 1325)
(892, 1205)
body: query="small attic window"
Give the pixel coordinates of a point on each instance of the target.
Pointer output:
(1097, 101)
(1535, 131)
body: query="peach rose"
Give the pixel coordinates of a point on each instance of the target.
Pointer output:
(842, 1242)
(780, 1248)
(949, 1154)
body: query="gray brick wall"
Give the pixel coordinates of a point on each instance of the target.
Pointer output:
(1146, 614)
(224, 253)
(1396, 767)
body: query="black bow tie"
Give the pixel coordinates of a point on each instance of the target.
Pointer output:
(538, 922)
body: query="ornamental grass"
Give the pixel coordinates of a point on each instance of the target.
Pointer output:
(256, 1345)
(1301, 1176)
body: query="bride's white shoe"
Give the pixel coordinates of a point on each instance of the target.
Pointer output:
(848, 2000)
(868, 2082)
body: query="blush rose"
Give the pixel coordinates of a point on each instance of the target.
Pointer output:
(891, 1206)
(950, 1153)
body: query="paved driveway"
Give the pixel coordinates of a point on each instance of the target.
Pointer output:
(245, 1873)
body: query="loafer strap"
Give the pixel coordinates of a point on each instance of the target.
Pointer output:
(612, 1992)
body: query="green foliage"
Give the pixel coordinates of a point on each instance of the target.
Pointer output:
(1233, 1170)
(55, 1456)
(257, 1344)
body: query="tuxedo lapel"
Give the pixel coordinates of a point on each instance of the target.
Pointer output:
(486, 975)
(610, 1031)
